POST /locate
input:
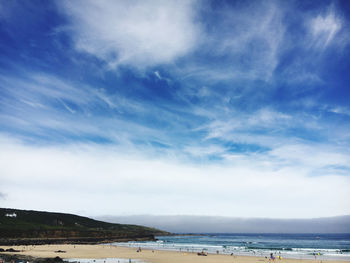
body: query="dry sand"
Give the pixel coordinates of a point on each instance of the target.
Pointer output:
(106, 251)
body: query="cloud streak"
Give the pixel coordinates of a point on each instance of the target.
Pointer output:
(324, 29)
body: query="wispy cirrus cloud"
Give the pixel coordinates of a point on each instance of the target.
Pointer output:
(237, 47)
(340, 110)
(45, 106)
(322, 31)
(255, 43)
(324, 28)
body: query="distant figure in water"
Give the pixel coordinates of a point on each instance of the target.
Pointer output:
(217, 251)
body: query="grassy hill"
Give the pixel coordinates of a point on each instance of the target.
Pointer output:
(63, 228)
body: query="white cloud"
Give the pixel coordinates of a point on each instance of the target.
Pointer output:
(264, 35)
(314, 157)
(106, 180)
(38, 89)
(340, 110)
(205, 151)
(324, 28)
(137, 33)
(67, 107)
(303, 72)
(156, 73)
(250, 48)
(41, 103)
(224, 125)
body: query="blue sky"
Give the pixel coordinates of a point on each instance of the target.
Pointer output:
(234, 108)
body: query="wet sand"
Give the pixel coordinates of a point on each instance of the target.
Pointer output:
(107, 251)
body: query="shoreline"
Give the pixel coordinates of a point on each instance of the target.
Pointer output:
(78, 251)
(73, 240)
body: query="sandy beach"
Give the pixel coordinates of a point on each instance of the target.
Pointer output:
(106, 251)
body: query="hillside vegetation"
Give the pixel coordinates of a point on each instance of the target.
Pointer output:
(25, 224)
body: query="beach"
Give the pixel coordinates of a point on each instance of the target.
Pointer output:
(154, 256)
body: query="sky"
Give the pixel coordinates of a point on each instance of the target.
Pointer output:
(211, 108)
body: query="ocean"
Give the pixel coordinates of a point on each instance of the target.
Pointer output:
(300, 246)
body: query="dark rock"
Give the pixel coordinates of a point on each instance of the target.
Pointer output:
(11, 250)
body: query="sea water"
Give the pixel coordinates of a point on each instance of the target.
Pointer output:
(301, 246)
